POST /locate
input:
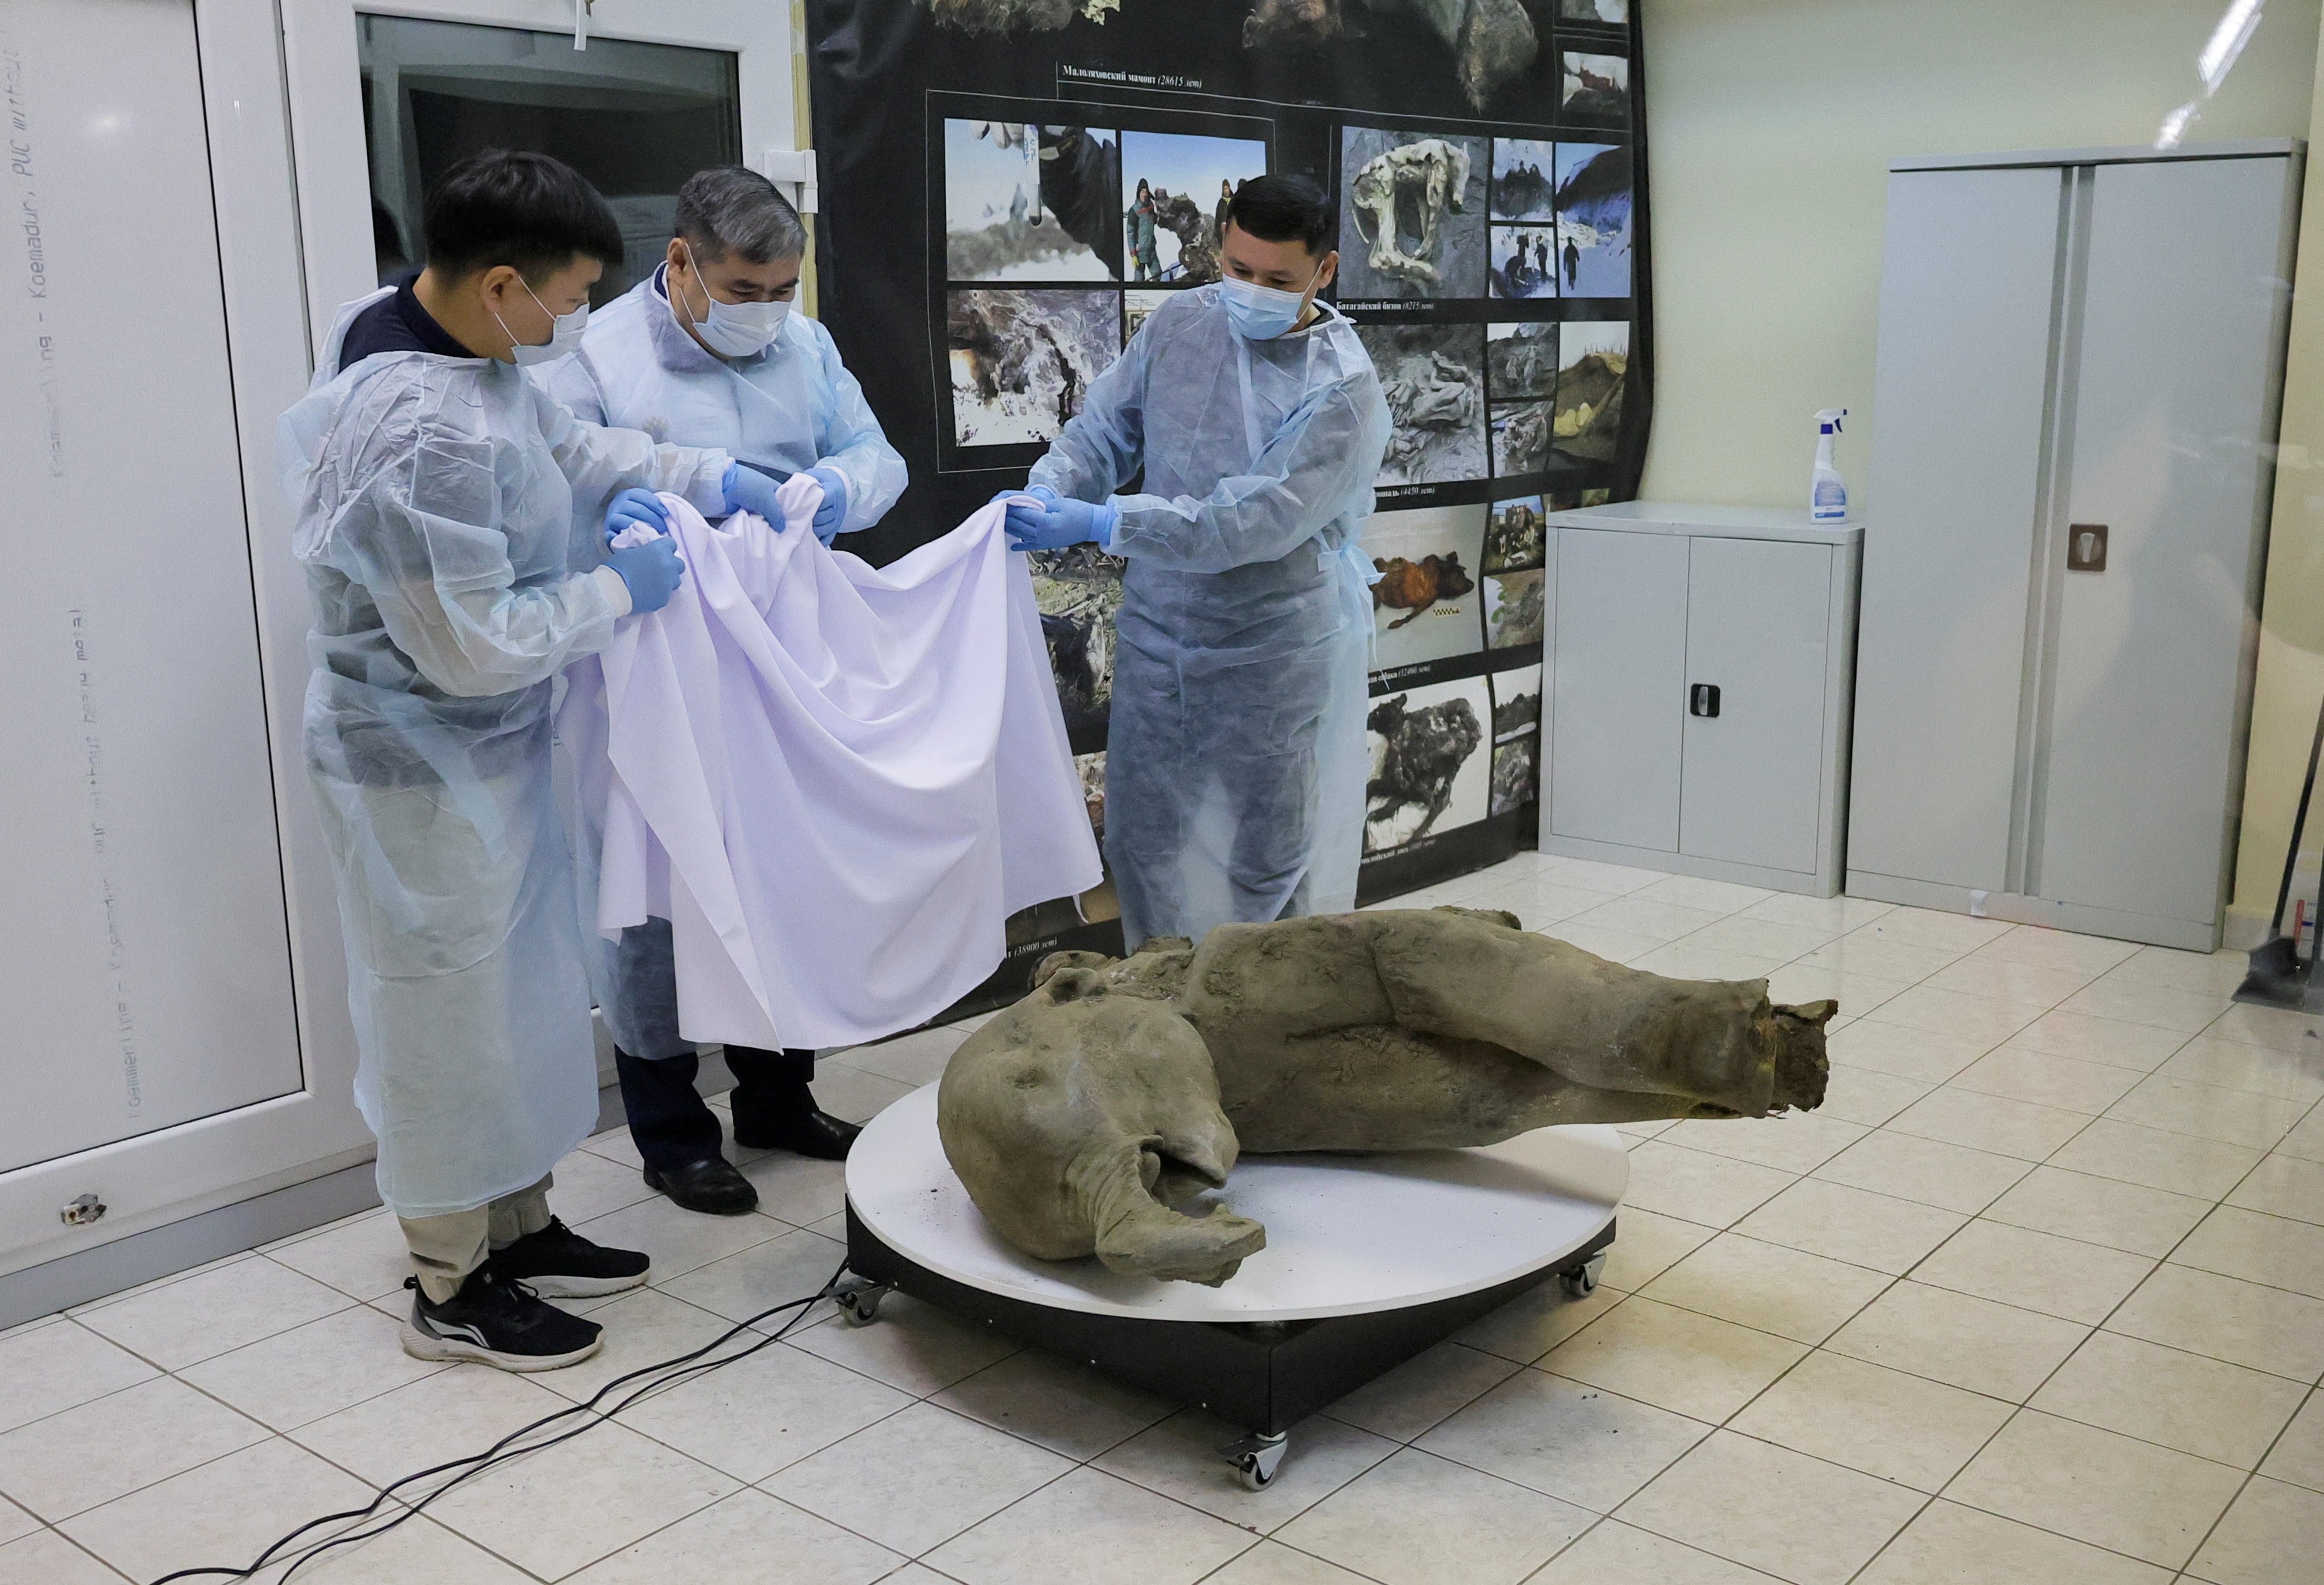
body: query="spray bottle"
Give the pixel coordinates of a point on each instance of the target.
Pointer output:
(1827, 492)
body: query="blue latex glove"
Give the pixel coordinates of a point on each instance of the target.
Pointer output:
(1068, 522)
(1040, 492)
(747, 490)
(833, 513)
(636, 508)
(652, 571)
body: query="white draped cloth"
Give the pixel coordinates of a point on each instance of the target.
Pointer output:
(835, 781)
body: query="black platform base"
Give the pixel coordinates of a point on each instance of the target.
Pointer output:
(1265, 1378)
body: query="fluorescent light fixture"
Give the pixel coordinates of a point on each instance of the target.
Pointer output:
(2228, 40)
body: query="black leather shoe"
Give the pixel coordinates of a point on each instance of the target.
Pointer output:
(711, 1186)
(812, 1132)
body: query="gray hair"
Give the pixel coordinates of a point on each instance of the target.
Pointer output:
(728, 207)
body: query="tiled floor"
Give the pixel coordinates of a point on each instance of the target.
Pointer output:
(2037, 1297)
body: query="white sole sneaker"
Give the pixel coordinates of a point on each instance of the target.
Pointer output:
(423, 1345)
(583, 1288)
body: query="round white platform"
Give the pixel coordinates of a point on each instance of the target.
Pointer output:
(1345, 1234)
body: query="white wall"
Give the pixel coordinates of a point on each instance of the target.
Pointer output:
(1770, 126)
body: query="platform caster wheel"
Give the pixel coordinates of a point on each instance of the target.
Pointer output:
(1256, 1460)
(1582, 1281)
(860, 1306)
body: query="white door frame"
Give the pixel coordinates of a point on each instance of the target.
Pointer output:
(326, 108)
(154, 1179)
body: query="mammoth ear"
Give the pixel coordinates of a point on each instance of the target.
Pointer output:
(1818, 1013)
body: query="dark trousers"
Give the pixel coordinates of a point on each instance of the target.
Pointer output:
(674, 1126)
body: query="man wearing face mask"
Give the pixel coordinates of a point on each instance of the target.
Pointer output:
(1235, 763)
(707, 352)
(435, 487)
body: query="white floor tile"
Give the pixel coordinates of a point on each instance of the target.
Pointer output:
(1851, 1225)
(765, 1413)
(1647, 1244)
(2268, 1537)
(1867, 951)
(746, 1539)
(2234, 1065)
(1768, 1287)
(1949, 1544)
(2156, 1157)
(1418, 1519)
(1615, 1554)
(1802, 982)
(2297, 1455)
(916, 1479)
(1824, 913)
(48, 1368)
(2244, 1323)
(643, 1327)
(753, 1281)
(1761, 938)
(855, 1094)
(2099, 1211)
(2275, 1250)
(2207, 1111)
(1616, 946)
(1693, 891)
(588, 1187)
(917, 1058)
(15, 1522)
(1906, 1053)
(2035, 1271)
(1180, 1459)
(677, 1240)
(106, 1448)
(1794, 1141)
(2062, 950)
(301, 1375)
(1421, 1391)
(1637, 915)
(2269, 1025)
(1864, 1095)
(2184, 1010)
(2216, 973)
(47, 1558)
(2116, 1042)
(2283, 1185)
(1686, 959)
(1692, 1365)
(558, 1510)
(365, 1259)
(1957, 1339)
(2065, 1082)
(1580, 1443)
(1983, 973)
(798, 1189)
(1535, 1322)
(1953, 1177)
(913, 1346)
(1091, 1529)
(1903, 1428)
(1989, 1122)
(1699, 1187)
(2217, 1411)
(1768, 1508)
(2129, 1497)
(221, 1514)
(221, 1308)
(1933, 928)
(1064, 1406)
(448, 1416)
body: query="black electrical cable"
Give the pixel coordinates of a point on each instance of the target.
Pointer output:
(682, 1368)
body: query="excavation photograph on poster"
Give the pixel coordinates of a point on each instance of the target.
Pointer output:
(1011, 190)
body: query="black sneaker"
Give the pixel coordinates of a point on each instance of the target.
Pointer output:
(496, 1321)
(557, 1263)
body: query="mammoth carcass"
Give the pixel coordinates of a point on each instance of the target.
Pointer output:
(1083, 1116)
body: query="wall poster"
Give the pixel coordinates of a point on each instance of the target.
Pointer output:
(1009, 187)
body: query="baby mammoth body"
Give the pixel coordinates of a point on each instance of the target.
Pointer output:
(1120, 1089)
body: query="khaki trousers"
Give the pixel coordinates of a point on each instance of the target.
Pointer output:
(447, 1248)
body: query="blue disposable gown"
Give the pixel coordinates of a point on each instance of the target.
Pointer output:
(1235, 758)
(436, 499)
(789, 409)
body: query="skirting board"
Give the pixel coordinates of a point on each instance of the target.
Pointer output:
(158, 1252)
(2186, 935)
(1611, 852)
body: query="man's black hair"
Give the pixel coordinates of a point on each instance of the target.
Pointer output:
(1285, 208)
(730, 207)
(511, 207)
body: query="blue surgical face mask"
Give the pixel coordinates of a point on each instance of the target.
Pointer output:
(564, 334)
(1262, 313)
(734, 330)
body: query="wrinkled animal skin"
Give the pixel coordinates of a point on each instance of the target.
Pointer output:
(1080, 1117)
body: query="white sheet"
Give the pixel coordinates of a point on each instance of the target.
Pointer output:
(836, 782)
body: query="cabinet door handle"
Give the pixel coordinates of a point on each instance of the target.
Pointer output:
(1703, 699)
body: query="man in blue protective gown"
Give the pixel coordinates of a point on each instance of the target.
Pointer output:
(1235, 759)
(707, 352)
(437, 490)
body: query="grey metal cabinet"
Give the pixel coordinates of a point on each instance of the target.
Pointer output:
(1699, 691)
(2079, 360)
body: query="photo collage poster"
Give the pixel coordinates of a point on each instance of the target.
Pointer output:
(1010, 188)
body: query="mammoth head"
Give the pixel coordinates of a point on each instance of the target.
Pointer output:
(1079, 1117)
